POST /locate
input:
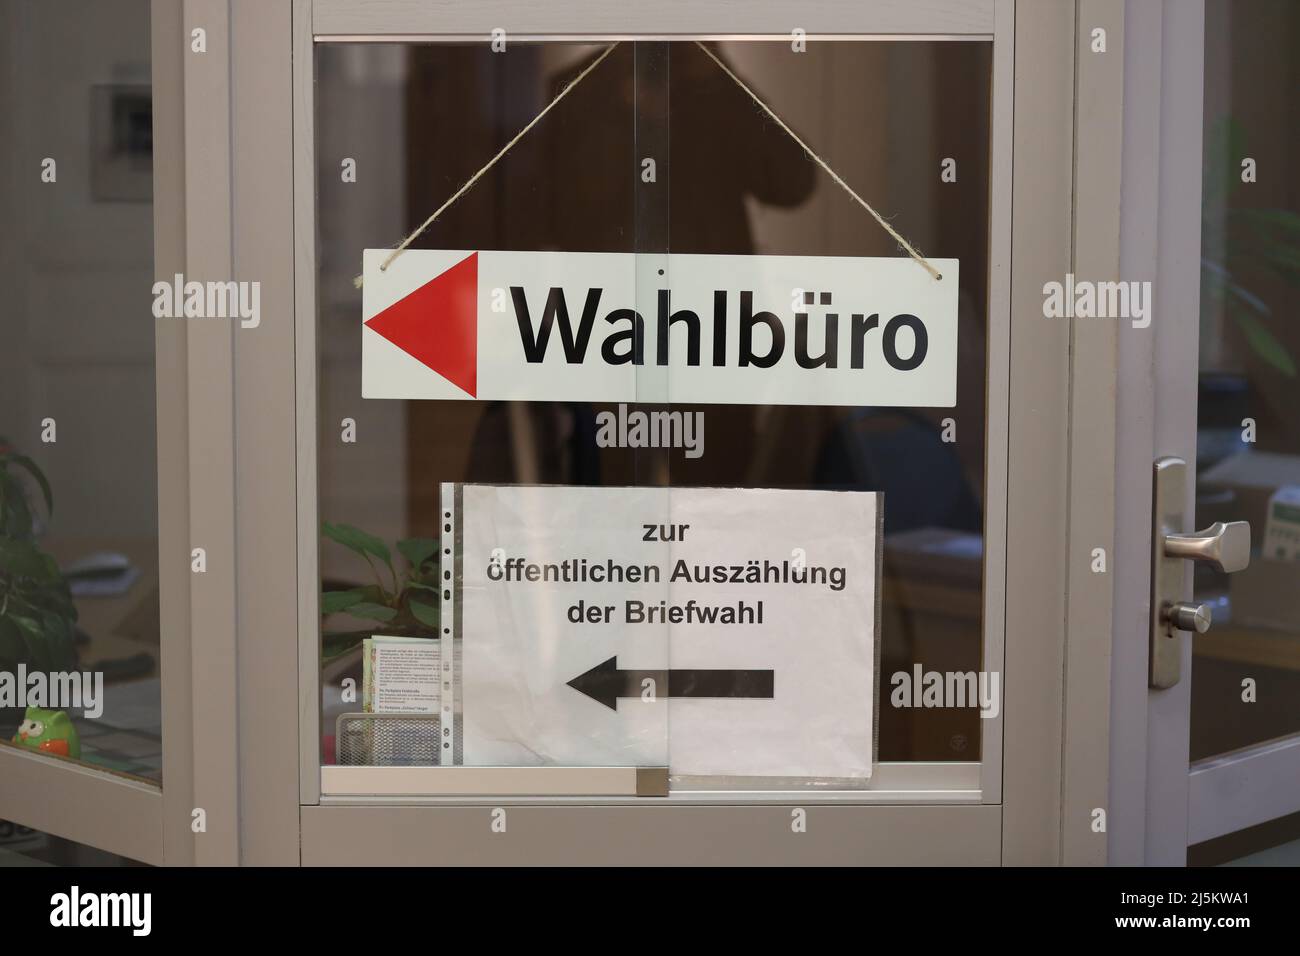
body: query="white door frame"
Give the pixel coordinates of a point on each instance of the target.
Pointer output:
(1163, 802)
(1041, 759)
(240, 697)
(909, 783)
(243, 129)
(1157, 414)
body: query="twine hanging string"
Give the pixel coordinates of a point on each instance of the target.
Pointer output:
(822, 163)
(383, 267)
(903, 243)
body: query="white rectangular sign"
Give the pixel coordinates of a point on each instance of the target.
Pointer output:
(717, 631)
(685, 329)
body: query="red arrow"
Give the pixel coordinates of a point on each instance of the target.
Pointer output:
(438, 324)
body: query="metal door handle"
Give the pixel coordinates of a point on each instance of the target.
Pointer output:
(1196, 618)
(1225, 546)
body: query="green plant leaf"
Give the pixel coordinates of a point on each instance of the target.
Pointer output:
(58, 638)
(13, 649)
(336, 643)
(1285, 260)
(34, 470)
(426, 615)
(38, 648)
(1265, 220)
(24, 559)
(15, 515)
(1264, 343)
(1221, 156)
(1244, 296)
(16, 607)
(331, 602)
(418, 550)
(39, 597)
(37, 601)
(54, 575)
(358, 540)
(372, 612)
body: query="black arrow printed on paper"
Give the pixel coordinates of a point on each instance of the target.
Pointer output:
(605, 683)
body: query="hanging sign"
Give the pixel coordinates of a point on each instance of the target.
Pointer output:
(686, 329)
(712, 630)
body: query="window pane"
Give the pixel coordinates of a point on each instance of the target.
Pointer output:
(77, 404)
(1246, 669)
(415, 122)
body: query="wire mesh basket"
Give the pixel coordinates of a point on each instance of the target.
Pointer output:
(390, 740)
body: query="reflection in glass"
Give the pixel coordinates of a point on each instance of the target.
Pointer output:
(1246, 670)
(422, 119)
(78, 475)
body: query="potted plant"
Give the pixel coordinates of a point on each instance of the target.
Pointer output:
(37, 617)
(403, 603)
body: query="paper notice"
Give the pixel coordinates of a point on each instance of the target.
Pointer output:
(401, 676)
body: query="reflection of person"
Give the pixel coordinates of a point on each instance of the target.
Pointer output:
(532, 442)
(720, 149)
(635, 105)
(899, 452)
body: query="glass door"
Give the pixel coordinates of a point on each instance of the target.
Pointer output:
(1217, 764)
(437, 146)
(713, 176)
(1245, 721)
(81, 749)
